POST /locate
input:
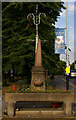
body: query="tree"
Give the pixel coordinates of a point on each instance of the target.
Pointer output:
(73, 65)
(18, 33)
(61, 65)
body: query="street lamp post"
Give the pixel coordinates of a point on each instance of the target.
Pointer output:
(67, 42)
(36, 21)
(67, 48)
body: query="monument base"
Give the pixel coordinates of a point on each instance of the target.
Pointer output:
(38, 78)
(66, 98)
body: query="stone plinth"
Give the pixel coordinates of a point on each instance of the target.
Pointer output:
(38, 78)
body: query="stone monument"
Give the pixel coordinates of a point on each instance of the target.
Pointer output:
(38, 71)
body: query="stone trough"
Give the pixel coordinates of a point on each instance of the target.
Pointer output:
(66, 98)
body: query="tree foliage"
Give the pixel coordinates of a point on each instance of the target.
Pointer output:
(61, 65)
(73, 65)
(18, 32)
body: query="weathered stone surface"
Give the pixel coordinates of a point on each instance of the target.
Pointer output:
(10, 108)
(62, 97)
(39, 113)
(68, 108)
(52, 97)
(38, 69)
(38, 75)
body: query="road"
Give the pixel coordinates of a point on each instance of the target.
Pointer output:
(60, 83)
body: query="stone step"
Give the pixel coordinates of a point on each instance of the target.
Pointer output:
(40, 109)
(40, 112)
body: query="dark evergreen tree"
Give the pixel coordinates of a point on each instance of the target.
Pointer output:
(18, 32)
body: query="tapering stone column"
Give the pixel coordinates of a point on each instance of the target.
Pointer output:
(38, 72)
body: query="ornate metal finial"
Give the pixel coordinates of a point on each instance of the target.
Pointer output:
(36, 21)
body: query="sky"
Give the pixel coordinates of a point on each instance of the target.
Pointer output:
(61, 23)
